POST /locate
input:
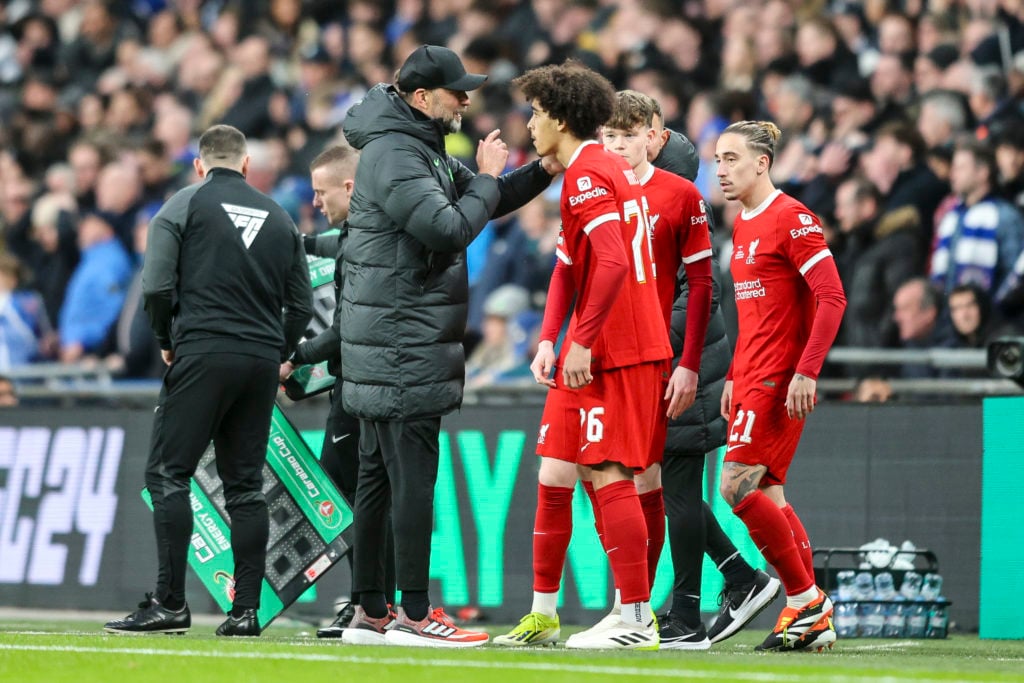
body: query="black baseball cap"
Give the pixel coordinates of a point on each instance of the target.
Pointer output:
(432, 66)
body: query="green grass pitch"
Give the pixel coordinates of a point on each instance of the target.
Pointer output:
(40, 650)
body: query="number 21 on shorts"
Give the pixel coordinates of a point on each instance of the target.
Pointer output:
(739, 434)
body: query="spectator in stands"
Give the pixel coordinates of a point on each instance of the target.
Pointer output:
(119, 196)
(896, 35)
(930, 67)
(97, 288)
(895, 164)
(87, 157)
(892, 85)
(937, 29)
(824, 57)
(989, 101)
(33, 42)
(94, 49)
(8, 393)
(37, 130)
(160, 176)
(23, 320)
(980, 238)
(172, 126)
(51, 252)
(874, 258)
(501, 347)
(256, 111)
(853, 109)
(135, 352)
(128, 115)
(974, 321)
(1009, 149)
(942, 116)
(916, 307)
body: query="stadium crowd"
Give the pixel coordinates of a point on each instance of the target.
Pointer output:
(903, 129)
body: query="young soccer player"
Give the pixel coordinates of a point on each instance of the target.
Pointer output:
(790, 303)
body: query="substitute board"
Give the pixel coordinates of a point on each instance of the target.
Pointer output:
(313, 378)
(309, 523)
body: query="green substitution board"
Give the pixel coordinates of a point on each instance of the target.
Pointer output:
(310, 380)
(309, 523)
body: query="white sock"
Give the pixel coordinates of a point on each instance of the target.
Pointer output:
(802, 599)
(545, 603)
(617, 604)
(638, 613)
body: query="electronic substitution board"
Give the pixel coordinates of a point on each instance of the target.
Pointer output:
(309, 523)
(312, 379)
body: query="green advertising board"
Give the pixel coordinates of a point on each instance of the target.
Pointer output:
(1002, 536)
(309, 523)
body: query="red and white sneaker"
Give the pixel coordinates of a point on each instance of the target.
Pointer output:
(436, 630)
(366, 630)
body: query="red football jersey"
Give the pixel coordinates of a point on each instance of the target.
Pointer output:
(601, 192)
(679, 225)
(774, 247)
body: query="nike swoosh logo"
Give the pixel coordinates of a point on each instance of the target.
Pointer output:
(734, 446)
(437, 162)
(336, 439)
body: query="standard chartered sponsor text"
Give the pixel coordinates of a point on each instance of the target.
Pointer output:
(748, 289)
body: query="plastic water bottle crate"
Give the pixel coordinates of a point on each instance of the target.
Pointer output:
(917, 610)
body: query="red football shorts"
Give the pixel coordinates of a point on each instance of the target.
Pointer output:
(617, 417)
(559, 434)
(760, 433)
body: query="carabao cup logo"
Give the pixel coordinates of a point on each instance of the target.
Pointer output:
(330, 515)
(222, 577)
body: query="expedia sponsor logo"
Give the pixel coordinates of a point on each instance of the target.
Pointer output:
(698, 220)
(578, 199)
(749, 289)
(803, 232)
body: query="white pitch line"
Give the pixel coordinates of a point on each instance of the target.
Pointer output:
(891, 645)
(476, 664)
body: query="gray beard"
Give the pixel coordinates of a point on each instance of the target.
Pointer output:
(451, 127)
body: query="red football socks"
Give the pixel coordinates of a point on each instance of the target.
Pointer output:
(770, 530)
(803, 544)
(552, 530)
(625, 536)
(653, 505)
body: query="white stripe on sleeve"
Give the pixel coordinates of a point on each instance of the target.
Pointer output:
(823, 254)
(698, 256)
(604, 218)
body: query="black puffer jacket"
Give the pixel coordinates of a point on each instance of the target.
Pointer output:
(405, 295)
(701, 428)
